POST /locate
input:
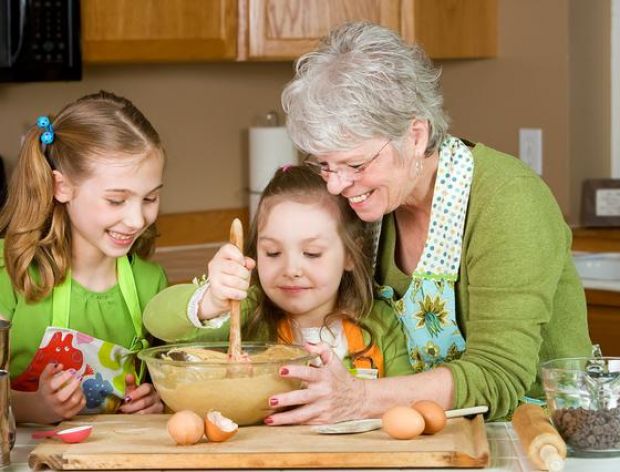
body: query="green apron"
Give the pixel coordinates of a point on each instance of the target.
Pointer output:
(101, 365)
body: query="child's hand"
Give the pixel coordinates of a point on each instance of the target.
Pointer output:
(60, 394)
(140, 399)
(229, 279)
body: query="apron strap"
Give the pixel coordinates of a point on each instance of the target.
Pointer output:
(285, 333)
(372, 358)
(61, 302)
(127, 284)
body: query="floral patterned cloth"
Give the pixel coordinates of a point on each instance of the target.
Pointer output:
(427, 309)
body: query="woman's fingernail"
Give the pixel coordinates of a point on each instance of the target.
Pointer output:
(268, 420)
(273, 402)
(127, 399)
(283, 371)
(71, 371)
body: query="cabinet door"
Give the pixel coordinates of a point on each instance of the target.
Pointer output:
(284, 29)
(158, 30)
(604, 326)
(604, 320)
(452, 29)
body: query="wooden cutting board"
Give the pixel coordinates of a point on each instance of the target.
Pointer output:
(142, 442)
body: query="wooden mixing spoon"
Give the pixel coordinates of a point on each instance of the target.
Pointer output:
(234, 336)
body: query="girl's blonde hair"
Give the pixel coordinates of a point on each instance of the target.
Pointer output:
(354, 300)
(36, 228)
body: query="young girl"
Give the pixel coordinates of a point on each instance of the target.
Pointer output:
(313, 282)
(77, 223)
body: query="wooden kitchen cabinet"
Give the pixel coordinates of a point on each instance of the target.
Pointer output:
(603, 305)
(604, 320)
(269, 30)
(284, 29)
(158, 30)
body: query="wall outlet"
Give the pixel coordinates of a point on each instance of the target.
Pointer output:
(530, 148)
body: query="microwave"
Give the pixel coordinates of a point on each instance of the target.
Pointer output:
(40, 40)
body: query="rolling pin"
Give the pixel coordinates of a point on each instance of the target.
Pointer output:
(540, 440)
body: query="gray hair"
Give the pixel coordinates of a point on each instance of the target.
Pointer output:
(362, 82)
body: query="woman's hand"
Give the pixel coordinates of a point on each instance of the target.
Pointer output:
(229, 279)
(60, 395)
(332, 394)
(141, 399)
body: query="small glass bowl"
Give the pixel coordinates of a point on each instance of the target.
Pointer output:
(238, 390)
(583, 397)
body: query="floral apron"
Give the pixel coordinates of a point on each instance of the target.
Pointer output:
(427, 309)
(102, 365)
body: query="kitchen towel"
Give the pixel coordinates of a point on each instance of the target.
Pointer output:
(270, 148)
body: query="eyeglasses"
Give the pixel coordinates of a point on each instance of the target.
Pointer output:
(347, 172)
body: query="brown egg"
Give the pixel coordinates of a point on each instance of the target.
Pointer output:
(402, 422)
(218, 428)
(433, 414)
(185, 427)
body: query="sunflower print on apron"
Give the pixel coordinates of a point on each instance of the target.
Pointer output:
(427, 310)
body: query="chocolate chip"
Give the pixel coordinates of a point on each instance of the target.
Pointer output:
(589, 429)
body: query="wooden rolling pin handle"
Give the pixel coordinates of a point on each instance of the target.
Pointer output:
(552, 458)
(541, 442)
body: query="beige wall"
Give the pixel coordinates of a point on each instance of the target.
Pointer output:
(590, 94)
(552, 72)
(526, 86)
(203, 110)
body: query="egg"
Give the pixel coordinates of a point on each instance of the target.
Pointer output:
(402, 422)
(433, 414)
(218, 428)
(185, 427)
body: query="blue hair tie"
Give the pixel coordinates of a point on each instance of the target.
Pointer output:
(47, 137)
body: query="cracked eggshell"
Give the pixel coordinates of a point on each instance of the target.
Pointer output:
(218, 428)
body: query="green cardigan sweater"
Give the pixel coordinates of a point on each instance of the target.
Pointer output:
(519, 298)
(166, 318)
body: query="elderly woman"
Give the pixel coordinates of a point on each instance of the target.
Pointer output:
(473, 253)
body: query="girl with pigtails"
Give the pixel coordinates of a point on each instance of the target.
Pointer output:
(78, 226)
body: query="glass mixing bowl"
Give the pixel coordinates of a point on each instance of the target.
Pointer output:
(187, 379)
(583, 397)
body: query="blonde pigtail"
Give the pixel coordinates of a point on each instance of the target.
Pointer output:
(26, 219)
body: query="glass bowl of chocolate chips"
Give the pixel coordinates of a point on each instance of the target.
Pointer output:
(583, 398)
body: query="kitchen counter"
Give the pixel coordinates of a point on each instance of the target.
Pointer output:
(183, 263)
(506, 453)
(185, 256)
(596, 239)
